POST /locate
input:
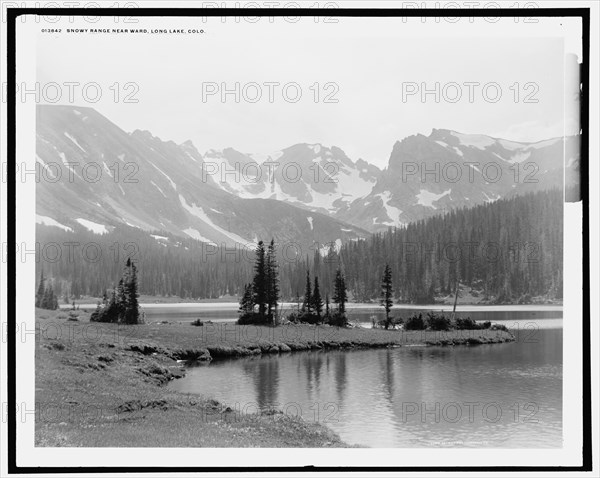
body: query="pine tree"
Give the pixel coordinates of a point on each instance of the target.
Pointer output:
(247, 301)
(47, 300)
(327, 315)
(39, 296)
(54, 300)
(386, 293)
(260, 279)
(272, 280)
(132, 311)
(340, 296)
(307, 304)
(317, 301)
(121, 302)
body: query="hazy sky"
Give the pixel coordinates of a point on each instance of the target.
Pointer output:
(367, 64)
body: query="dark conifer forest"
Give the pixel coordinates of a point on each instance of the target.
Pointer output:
(507, 251)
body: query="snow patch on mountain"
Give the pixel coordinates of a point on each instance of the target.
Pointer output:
(350, 182)
(48, 221)
(191, 157)
(310, 221)
(93, 226)
(75, 141)
(198, 212)
(478, 141)
(194, 234)
(67, 164)
(165, 175)
(157, 187)
(45, 166)
(490, 199)
(427, 198)
(392, 212)
(325, 248)
(159, 238)
(519, 157)
(320, 200)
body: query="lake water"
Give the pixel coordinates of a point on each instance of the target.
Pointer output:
(224, 312)
(492, 396)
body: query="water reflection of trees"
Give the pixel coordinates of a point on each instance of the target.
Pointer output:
(341, 375)
(314, 364)
(265, 375)
(386, 368)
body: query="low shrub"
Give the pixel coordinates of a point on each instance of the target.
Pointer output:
(466, 323)
(499, 327)
(338, 320)
(304, 318)
(197, 323)
(395, 323)
(437, 321)
(415, 322)
(254, 318)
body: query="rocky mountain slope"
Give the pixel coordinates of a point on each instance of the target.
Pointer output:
(430, 175)
(96, 176)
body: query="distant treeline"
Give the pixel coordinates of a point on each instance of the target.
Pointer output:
(509, 250)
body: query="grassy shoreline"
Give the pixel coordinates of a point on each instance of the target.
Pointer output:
(104, 384)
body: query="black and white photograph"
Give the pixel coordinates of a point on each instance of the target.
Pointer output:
(349, 225)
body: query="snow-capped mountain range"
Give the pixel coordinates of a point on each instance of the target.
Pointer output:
(157, 186)
(98, 177)
(430, 175)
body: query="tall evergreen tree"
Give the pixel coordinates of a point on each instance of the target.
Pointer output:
(47, 300)
(259, 285)
(247, 301)
(327, 314)
(307, 305)
(132, 311)
(386, 293)
(272, 280)
(39, 296)
(317, 301)
(120, 301)
(340, 295)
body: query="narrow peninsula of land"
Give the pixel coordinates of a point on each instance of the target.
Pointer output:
(102, 384)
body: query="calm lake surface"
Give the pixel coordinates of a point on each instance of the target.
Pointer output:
(223, 312)
(494, 396)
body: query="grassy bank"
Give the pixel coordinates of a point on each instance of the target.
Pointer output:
(104, 384)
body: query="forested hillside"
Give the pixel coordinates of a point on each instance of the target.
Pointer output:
(509, 250)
